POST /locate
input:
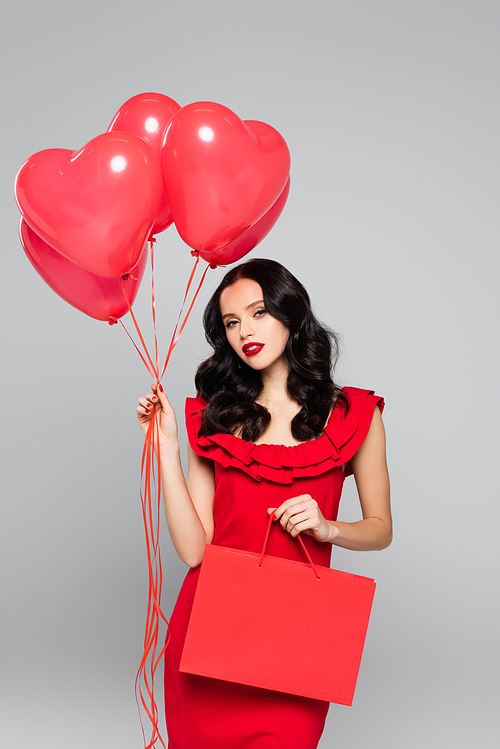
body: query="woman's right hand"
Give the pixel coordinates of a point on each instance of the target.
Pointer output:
(157, 403)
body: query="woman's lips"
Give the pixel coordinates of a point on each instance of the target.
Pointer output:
(250, 349)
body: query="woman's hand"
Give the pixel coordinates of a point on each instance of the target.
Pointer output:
(302, 515)
(158, 404)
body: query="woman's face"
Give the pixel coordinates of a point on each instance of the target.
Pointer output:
(258, 338)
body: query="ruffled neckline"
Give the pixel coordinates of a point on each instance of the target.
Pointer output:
(342, 437)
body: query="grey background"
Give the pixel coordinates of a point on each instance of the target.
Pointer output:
(391, 112)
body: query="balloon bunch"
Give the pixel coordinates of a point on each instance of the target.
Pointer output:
(87, 214)
(87, 217)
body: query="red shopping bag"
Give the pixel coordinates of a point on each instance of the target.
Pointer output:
(278, 624)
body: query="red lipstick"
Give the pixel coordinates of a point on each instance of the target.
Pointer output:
(250, 349)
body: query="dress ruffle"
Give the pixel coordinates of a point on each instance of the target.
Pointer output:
(341, 439)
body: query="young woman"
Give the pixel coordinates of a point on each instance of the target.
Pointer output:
(268, 431)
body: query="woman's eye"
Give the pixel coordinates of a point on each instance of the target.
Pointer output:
(231, 324)
(260, 312)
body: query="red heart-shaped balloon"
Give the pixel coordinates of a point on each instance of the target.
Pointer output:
(98, 297)
(147, 115)
(221, 174)
(95, 206)
(250, 238)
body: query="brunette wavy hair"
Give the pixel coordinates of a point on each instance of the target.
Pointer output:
(231, 388)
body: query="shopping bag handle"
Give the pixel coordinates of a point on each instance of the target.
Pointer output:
(273, 517)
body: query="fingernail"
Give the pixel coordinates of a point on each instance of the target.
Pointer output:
(154, 398)
(161, 389)
(146, 411)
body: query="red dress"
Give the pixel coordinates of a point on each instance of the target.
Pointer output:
(205, 713)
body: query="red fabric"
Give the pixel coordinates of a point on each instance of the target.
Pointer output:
(212, 714)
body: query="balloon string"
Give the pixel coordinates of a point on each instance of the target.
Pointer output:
(138, 351)
(151, 503)
(176, 336)
(156, 374)
(151, 516)
(152, 240)
(150, 493)
(172, 344)
(192, 304)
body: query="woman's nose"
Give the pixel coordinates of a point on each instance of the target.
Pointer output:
(246, 330)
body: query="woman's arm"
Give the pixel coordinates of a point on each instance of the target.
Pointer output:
(188, 506)
(369, 465)
(374, 531)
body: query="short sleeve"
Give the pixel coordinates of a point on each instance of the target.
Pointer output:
(357, 422)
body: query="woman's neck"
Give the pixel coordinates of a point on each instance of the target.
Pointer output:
(274, 390)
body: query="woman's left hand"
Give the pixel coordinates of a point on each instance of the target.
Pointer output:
(302, 515)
